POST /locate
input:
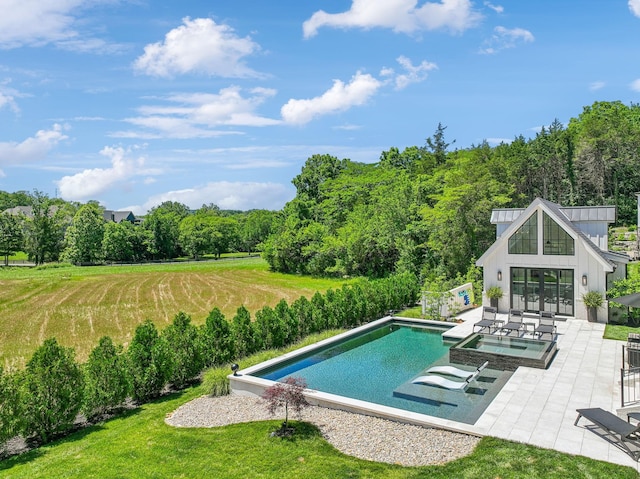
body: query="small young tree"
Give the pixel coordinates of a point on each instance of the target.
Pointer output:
(243, 333)
(289, 393)
(184, 349)
(54, 385)
(10, 405)
(216, 339)
(106, 379)
(148, 362)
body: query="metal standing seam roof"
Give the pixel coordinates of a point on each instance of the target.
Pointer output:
(573, 214)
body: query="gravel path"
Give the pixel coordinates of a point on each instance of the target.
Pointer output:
(361, 436)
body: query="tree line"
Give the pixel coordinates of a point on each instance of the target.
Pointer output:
(426, 209)
(43, 400)
(56, 230)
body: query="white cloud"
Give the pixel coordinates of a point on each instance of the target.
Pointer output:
(596, 85)
(31, 149)
(635, 85)
(228, 195)
(36, 23)
(7, 100)
(33, 22)
(504, 38)
(402, 16)
(197, 115)
(495, 8)
(90, 183)
(498, 141)
(339, 97)
(634, 6)
(199, 46)
(413, 74)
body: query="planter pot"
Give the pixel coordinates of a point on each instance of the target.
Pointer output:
(494, 302)
(592, 315)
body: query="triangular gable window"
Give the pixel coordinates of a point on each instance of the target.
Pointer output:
(556, 240)
(525, 239)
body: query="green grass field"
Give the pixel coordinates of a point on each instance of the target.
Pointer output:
(141, 445)
(78, 305)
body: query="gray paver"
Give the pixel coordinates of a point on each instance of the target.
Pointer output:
(539, 406)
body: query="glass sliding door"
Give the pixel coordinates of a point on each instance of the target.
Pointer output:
(542, 289)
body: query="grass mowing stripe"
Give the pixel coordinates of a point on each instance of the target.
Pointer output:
(79, 305)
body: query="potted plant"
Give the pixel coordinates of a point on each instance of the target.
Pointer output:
(592, 301)
(494, 293)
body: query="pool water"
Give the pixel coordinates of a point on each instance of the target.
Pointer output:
(378, 367)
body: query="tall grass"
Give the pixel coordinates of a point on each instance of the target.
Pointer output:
(79, 305)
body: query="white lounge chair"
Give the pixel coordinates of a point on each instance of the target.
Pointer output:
(453, 371)
(435, 380)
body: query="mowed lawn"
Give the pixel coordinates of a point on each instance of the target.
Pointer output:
(79, 305)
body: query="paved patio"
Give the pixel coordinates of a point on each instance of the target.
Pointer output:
(538, 406)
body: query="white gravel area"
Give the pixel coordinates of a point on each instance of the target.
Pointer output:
(357, 435)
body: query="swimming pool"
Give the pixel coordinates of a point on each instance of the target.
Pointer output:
(377, 366)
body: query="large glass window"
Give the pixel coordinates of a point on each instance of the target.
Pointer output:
(556, 240)
(525, 239)
(542, 289)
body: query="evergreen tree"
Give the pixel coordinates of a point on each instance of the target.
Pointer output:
(106, 379)
(216, 339)
(184, 349)
(54, 385)
(148, 362)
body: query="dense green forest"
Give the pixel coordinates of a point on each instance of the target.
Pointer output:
(423, 210)
(426, 209)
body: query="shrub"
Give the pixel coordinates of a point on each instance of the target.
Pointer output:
(183, 346)
(54, 384)
(106, 379)
(148, 362)
(216, 339)
(10, 405)
(593, 299)
(270, 330)
(243, 332)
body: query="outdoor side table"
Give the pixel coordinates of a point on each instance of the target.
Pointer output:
(633, 415)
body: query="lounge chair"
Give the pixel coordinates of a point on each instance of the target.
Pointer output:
(488, 320)
(435, 380)
(627, 434)
(546, 324)
(457, 372)
(515, 321)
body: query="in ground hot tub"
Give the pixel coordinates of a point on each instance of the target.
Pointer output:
(503, 352)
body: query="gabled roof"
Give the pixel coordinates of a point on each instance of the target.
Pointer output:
(28, 210)
(118, 216)
(561, 217)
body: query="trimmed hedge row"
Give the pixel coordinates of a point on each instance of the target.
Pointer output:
(44, 399)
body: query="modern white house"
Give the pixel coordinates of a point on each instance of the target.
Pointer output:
(546, 256)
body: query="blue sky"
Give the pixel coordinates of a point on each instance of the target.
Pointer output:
(136, 102)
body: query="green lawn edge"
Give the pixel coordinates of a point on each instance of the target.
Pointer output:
(139, 444)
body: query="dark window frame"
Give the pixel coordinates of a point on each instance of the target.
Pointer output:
(525, 239)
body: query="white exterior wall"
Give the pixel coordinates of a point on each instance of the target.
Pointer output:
(597, 232)
(583, 262)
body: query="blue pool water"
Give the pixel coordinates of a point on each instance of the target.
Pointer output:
(378, 367)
